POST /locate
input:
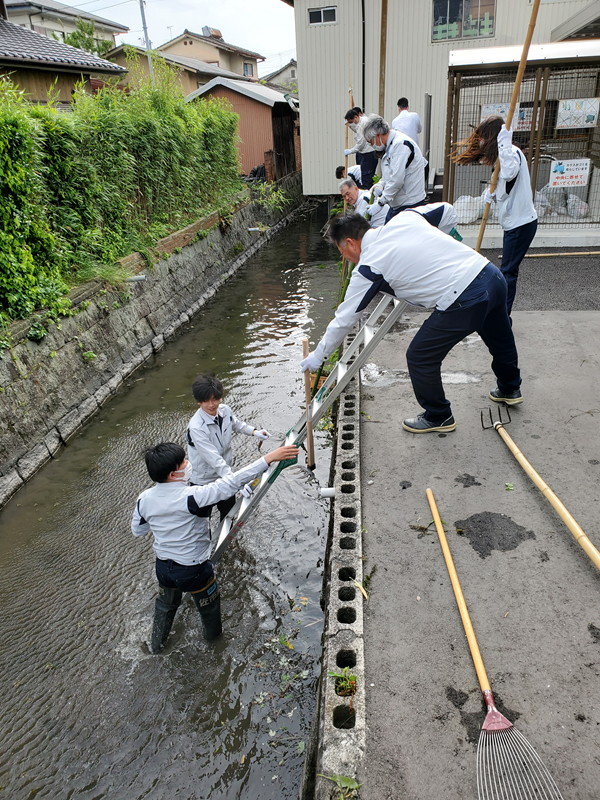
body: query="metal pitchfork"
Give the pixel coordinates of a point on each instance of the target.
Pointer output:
(563, 513)
(508, 768)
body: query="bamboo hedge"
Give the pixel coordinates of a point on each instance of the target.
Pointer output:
(80, 190)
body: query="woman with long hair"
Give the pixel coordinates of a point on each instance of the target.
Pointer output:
(516, 212)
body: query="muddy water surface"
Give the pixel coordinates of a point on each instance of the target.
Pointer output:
(86, 712)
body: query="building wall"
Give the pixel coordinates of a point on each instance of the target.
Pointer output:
(414, 65)
(37, 83)
(204, 51)
(286, 79)
(47, 25)
(255, 127)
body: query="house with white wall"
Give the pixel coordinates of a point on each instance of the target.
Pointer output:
(55, 20)
(339, 45)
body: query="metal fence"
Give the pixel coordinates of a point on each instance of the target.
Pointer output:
(539, 130)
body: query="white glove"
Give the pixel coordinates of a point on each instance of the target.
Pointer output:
(247, 490)
(310, 363)
(262, 435)
(377, 190)
(488, 196)
(504, 137)
(373, 209)
(348, 152)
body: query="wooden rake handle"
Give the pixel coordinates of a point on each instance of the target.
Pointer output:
(460, 600)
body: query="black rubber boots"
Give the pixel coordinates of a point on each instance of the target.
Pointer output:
(208, 603)
(165, 608)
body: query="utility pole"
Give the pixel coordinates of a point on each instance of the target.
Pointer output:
(145, 27)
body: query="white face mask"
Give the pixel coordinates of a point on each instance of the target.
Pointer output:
(379, 147)
(184, 475)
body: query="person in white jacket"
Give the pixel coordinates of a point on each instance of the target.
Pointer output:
(171, 509)
(408, 122)
(360, 201)
(516, 213)
(413, 258)
(365, 154)
(402, 183)
(209, 435)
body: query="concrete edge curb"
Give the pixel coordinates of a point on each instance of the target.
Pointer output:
(341, 736)
(45, 448)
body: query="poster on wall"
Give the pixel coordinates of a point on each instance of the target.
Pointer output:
(521, 118)
(578, 113)
(575, 172)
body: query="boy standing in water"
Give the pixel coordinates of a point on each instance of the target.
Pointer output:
(209, 439)
(172, 510)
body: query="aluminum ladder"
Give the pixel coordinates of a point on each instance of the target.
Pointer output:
(354, 357)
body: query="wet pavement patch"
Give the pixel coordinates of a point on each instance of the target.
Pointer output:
(488, 532)
(473, 720)
(595, 632)
(467, 480)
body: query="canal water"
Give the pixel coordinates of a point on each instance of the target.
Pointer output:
(86, 711)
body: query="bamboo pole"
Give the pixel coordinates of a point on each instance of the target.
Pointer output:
(382, 55)
(564, 255)
(538, 140)
(534, 115)
(511, 111)
(310, 445)
(449, 111)
(563, 513)
(454, 135)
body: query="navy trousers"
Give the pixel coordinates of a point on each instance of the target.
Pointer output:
(514, 246)
(188, 578)
(393, 211)
(368, 165)
(481, 309)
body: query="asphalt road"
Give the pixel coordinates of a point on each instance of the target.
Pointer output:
(533, 594)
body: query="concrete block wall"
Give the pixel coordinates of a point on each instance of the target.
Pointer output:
(48, 389)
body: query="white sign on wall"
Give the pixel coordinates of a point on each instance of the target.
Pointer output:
(578, 113)
(521, 118)
(575, 172)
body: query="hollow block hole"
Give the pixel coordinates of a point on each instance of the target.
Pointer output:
(348, 476)
(346, 573)
(348, 512)
(348, 488)
(347, 593)
(348, 543)
(345, 658)
(343, 717)
(348, 464)
(347, 437)
(348, 413)
(347, 446)
(350, 396)
(346, 614)
(348, 527)
(349, 427)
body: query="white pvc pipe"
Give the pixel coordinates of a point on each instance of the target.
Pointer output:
(329, 491)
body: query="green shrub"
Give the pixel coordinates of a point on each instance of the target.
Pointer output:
(82, 190)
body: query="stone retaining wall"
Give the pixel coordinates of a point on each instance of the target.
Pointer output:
(48, 389)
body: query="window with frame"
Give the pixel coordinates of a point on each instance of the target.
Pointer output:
(463, 19)
(248, 70)
(322, 16)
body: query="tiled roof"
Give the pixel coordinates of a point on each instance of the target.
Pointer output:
(35, 7)
(184, 61)
(232, 48)
(22, 47)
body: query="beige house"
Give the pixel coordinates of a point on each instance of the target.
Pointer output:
(210, 48)
(54, 19)
(192, 73)
(286, 77)
(332, 40)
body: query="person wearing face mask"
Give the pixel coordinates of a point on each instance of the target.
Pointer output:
(402, 183)
(209, 438)
(171, 509)
(365, 157)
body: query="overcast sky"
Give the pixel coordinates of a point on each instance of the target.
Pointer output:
(264, 26)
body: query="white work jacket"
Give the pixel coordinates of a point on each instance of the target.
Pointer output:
(362, 204)
(176, 514)
(361, 145)
(411, 258)
(513, 193)
(408, 122)
(209, 443)
(402, 172)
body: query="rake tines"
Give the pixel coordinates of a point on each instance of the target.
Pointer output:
(508, 768)
(499, 421)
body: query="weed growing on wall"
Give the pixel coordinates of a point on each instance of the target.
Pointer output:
(81, 190)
